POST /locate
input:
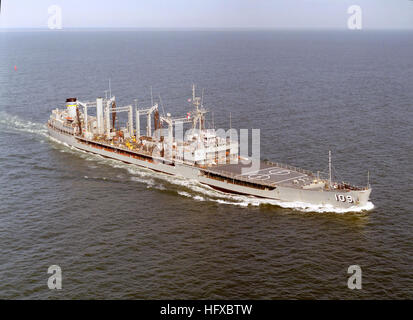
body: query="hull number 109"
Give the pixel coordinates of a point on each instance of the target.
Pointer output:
(343, 198)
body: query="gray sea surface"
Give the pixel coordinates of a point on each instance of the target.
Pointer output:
(121, 232)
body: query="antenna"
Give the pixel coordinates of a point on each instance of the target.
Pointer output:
(195, 100)
(368, 179)
(106, 94)
(151, 98)
(329, 167)
(110, 90)
(230, 121)
(202, 98)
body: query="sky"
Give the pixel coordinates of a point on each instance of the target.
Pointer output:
(190, 14)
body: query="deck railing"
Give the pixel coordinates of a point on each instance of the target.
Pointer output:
(289, 167)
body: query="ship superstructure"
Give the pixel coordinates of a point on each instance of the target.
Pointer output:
(199, 153)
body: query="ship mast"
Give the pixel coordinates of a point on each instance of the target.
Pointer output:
(195, 101)
(199, 111)
(193, 95)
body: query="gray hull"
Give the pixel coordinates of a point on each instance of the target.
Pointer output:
(280, 193)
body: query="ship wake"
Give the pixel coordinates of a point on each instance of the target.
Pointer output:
(10, 122)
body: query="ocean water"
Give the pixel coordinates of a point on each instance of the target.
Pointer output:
(121, 232)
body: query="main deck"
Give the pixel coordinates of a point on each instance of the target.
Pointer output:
(267, 174)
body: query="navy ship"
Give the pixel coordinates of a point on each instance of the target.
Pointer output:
(201, 154)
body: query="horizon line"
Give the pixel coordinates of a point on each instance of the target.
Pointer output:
(202, 29)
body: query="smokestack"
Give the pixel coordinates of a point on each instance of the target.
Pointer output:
(71, 104)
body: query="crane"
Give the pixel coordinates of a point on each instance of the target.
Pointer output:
(114, 110)
(86, 105)
(171, 122)
(148, 112)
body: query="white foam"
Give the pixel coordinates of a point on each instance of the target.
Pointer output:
(15, 123)
(195, 197)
